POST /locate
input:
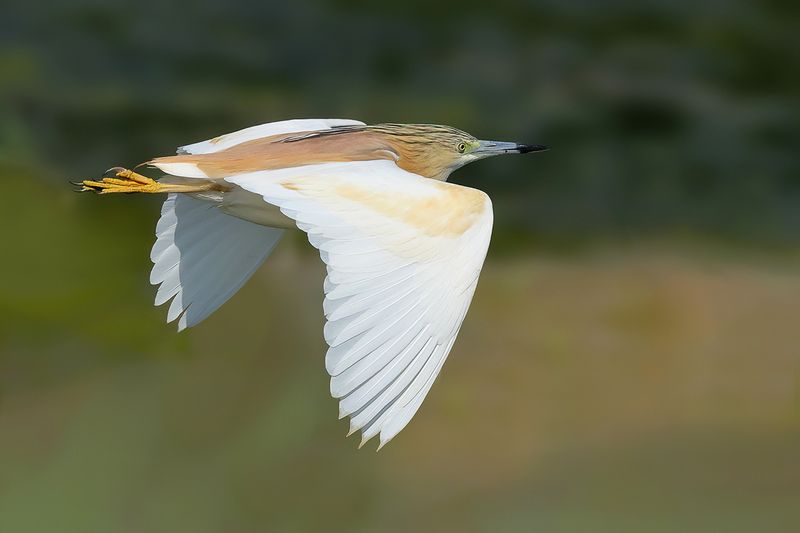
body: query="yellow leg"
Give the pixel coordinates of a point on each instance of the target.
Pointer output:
(120, 179)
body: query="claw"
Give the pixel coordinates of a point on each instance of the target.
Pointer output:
(113, 172)
(118, 179)
(122, 180)
(81, 187)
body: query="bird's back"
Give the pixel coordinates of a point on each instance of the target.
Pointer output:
(285, 151)
(409, 145)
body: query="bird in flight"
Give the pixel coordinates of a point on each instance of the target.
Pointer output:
(402, 246)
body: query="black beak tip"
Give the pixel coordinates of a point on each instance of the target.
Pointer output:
(528, 148)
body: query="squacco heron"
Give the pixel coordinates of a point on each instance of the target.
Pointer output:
(403, 247)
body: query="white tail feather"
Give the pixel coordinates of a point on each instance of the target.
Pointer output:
(203, 256)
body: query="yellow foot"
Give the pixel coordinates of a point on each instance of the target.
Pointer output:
(120, 179)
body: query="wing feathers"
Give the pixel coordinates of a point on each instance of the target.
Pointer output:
(402, 255)
(352, 377)
(202, 256)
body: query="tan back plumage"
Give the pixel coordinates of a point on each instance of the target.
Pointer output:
(424, 149)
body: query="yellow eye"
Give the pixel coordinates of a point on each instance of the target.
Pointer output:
(462, 148)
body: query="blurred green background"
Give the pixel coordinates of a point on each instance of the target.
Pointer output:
(631, 361)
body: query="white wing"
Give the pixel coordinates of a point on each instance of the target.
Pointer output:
(202, 256)
(403, 255)
(224, 142)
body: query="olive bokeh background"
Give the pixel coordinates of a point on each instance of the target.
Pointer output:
(631, 361)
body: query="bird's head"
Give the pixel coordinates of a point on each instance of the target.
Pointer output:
(435, 151)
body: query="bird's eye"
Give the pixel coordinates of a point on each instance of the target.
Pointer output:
(462, 148)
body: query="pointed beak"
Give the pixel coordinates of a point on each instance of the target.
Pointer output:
(490, 148)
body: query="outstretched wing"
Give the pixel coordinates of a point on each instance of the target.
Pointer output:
(202, 256)
(403, 255)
